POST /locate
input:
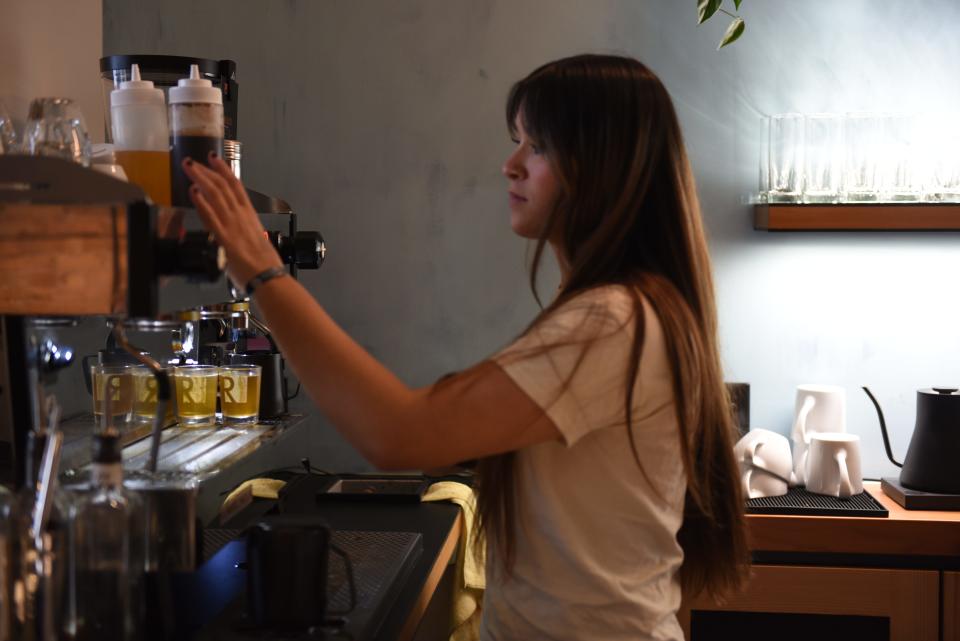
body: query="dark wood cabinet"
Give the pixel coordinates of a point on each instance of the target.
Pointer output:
(825, 578)
(823, 603)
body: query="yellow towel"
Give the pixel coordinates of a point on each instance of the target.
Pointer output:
(470, 580)
(260, 488)
(244, 494)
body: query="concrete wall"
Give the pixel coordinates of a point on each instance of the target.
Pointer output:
(381, 122)
(52, 48)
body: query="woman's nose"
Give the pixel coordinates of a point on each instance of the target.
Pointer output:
(512, 168)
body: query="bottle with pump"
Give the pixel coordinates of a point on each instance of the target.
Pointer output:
(196, 128)
(141, 136)
(107, 551)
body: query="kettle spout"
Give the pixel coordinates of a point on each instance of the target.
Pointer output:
(883, 429)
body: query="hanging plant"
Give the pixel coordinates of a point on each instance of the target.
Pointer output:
(707, 8)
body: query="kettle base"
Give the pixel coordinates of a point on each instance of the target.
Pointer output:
(916, 499)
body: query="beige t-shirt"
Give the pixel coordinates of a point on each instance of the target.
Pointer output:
(596, 551)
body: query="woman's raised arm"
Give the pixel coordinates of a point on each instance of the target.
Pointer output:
(472, 414)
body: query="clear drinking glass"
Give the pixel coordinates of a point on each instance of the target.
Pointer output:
(145, 395)
(823, 158)
(899, 158)
(943, 141)
(55, 127)
(240, 394)
(113, 386)
(196, 393)
(864, 140)
(786, 157)
(8, 132)
(764, 182)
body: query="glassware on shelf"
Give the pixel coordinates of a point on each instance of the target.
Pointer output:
(901, 175)
(8, 132)
(786, 158)
(764, 182)
(941, 141)
(863, 135)
(860, 157)
(55, 127)
(823, 158)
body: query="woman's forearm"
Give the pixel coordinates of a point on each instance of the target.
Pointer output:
(363, 399)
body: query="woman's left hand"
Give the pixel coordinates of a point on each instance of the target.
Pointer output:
(223, 204)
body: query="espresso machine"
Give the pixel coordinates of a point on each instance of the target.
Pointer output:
(95, 274)
(96, 277)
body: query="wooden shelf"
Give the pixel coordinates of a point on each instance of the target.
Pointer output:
(857, 217)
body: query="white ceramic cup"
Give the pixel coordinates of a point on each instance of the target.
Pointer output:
(765, 462)
(819, 408)
(833, 464)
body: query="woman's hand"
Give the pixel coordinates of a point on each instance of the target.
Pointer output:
(222, 203)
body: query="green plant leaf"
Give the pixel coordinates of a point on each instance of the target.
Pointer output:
(736, 4)
(705, 9)
(734, 31)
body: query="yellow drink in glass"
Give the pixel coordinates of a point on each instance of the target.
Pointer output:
(240, 394)
(196, 393)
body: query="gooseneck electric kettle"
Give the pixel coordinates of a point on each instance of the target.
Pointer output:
(933, 457)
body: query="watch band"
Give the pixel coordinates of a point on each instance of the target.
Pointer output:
(264, 276)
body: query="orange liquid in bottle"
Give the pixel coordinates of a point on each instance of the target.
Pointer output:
(149, 170)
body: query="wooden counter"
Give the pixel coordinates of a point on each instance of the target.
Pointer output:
(904, 532)
(828, 577)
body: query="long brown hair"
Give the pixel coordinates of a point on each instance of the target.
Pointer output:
(629, 215)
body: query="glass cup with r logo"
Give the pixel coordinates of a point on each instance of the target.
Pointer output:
(196, 394)
(145, 395)
(112, 395)
(240, 394)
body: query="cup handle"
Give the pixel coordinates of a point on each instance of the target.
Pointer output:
(846, 488)
(85, 364)
(746, 482)
(800, 425)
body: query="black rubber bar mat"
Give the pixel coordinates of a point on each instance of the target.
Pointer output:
(799, 502)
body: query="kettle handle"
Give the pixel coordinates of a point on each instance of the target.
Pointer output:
(883, 428)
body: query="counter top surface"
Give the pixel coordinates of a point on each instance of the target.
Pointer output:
(438, 523)
(903, 533)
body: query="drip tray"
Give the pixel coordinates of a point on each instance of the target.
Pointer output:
(799, 502)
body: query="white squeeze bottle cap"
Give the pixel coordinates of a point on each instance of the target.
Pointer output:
(138, 115)
(195, 89)
(136, 91)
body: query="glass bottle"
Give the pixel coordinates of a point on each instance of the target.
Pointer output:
(7, 555)
(107, 551)
(41, 607)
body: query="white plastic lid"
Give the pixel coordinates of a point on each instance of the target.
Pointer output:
(136, 91)
(195, 89)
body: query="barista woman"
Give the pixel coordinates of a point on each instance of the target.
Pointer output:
(607, 478)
